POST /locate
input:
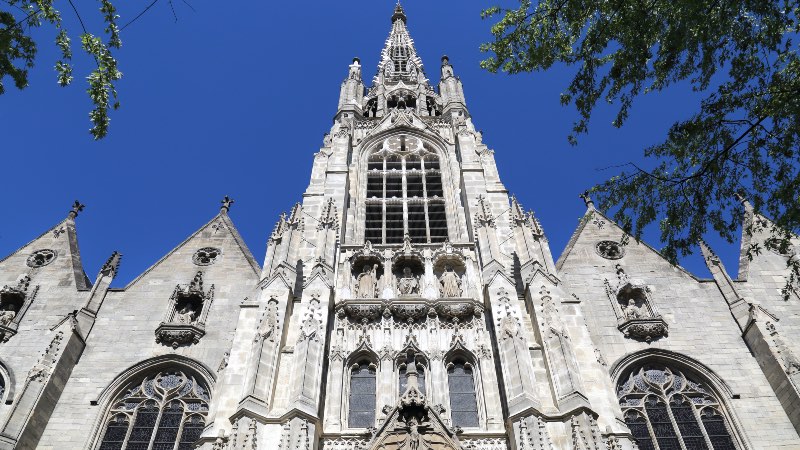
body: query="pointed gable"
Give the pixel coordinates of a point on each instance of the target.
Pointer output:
(54, 252)
(598, 240)
(220, 235)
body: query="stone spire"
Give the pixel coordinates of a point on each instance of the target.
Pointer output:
(399, 59)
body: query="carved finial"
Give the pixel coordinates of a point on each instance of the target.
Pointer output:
(226, 204)
(296, 214)
(329, 217)
(517, 212)
(587, 199)
(535, 225)
(743, 200)
(399, 14)
(77, 207)
(111, 266)
(280, 228)
(708, 253)
(484, 216)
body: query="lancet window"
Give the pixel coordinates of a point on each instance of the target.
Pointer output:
(667, 410)
(361, 412)
(404, 194)
(166, 411)
(463, 402)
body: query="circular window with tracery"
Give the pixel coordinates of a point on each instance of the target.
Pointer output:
(41, 258)
(206, 256)
(610, 249)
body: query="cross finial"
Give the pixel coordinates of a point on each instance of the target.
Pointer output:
(587, 199)
(226, 204)
(77, 207)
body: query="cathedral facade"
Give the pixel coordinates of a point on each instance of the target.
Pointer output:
(407, 303)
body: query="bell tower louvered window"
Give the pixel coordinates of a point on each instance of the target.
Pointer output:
(166, 411)
(666, 410)
(404, 194)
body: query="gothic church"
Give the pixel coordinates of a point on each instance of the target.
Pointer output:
(407, 303)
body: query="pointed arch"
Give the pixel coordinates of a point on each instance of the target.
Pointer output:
(360, 401)
(7, 383)
(467, 408)
(153, 403)
(414, 191)
(669, 399)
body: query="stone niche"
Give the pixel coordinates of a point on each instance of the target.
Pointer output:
(185, 319)
(14, 302)
(637, 316)
(449, 268)
(408, 268)
(366, 267)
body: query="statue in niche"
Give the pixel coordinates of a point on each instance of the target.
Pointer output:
(367, 282)
(450, 283)
(7, 314)
(185, 315)
(632, 311)
(408, 284)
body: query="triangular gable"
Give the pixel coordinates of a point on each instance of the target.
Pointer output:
(63, 239)
(413, 424)
(581, 230)
(220, 219)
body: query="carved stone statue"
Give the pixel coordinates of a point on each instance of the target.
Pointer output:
(7, 315)
(413, 435)
(408, 284)
(632, 311)
(450, 283)
(367, 282)
(185, 315)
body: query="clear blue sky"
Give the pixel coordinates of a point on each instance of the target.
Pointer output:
(235, 98)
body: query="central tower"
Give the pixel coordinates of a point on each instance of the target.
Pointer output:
(407, 302)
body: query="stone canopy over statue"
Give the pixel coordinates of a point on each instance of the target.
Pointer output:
(450, 283)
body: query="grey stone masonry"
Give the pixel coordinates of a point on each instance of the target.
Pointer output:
(405, 302)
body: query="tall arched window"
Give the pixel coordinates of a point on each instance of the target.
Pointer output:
(666, 410)
(463, 402)
(361, 412)
(404, 193)
(165, 411)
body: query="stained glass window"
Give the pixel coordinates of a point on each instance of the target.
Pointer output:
(404, 194)
(666, 410)
(463, 403)
(153, 412)
(362, 396)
